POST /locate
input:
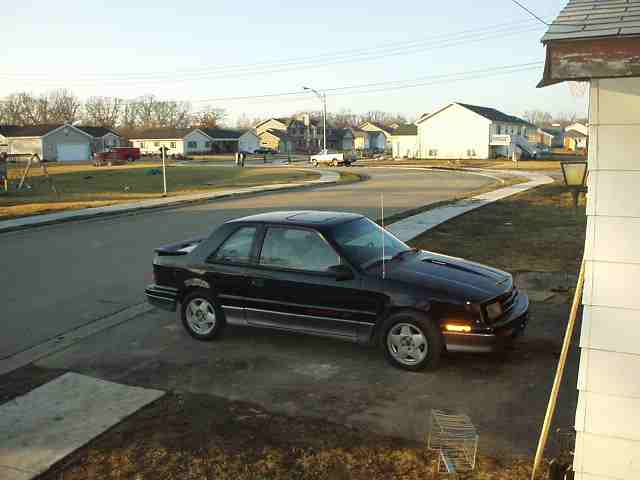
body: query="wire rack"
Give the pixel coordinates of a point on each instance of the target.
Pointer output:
(456, 440)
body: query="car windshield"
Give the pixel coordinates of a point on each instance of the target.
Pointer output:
(361, 241)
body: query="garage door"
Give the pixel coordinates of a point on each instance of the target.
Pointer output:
(70, 152)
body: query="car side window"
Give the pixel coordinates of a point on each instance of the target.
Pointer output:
(297, 249)
(236, 248)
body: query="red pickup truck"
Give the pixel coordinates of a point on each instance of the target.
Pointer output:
(116, 156)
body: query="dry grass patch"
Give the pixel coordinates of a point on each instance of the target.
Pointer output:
(538, 230)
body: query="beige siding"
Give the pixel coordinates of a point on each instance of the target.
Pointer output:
(404, 146)
(608, 413)
(63, 135)
(25, 146)
(272, 124)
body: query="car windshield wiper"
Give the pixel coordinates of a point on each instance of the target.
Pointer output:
(402, 253)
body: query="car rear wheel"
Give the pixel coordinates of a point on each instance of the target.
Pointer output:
(412, 342)
(334, 163)
(201, 315)
(129, 158)
(314, 163)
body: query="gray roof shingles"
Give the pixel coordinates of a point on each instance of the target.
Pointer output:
(26, 131)
(408, 129)
(493, 114)
(582, 19)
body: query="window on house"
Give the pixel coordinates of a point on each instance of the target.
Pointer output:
(191, 144)
(499, 129)
(471, 152)
(433, 152)
(141, 144)
(207, 144)
(156, 144)
(172, 145)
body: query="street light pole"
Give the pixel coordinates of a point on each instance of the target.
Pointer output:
(323, 99)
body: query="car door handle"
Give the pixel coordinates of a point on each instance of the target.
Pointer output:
(257, 282)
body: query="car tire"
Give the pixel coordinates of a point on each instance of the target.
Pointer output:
(314, 163)
(412, 341)
(129, 159)
(201, 315)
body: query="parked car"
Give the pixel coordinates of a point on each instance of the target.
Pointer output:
(332, 158)
(116, 156)
(337, 275)
(266, 151)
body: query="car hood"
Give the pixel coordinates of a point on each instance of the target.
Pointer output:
(453, 277)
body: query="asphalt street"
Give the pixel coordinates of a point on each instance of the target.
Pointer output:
(60, 277)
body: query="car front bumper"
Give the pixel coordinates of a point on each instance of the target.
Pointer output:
(165, 298)
(501, 335)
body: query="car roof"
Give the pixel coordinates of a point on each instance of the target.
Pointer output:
(302, 218)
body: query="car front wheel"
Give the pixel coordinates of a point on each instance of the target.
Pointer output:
(412, 342)
(201, 315)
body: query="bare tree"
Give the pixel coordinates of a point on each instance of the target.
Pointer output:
(60, 106)
(209, 117)
(538, 117)
(11, 111)
(104, 111)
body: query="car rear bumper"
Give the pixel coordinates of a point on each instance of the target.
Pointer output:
(503, 334)
(165, 298)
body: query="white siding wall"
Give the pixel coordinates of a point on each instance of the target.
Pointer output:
(608, 413)
(404, 146)
(452, 132)
(249, 142)
(200, 142)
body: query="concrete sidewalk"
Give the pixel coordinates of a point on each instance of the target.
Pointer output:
(326, 177)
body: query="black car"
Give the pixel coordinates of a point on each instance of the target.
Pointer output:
(337, 275)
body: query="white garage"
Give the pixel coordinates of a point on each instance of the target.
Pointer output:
(72, 152)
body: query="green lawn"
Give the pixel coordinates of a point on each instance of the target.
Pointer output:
(82, 186)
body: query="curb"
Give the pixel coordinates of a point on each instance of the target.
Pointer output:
(83, 214)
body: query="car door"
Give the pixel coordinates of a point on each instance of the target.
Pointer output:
(226, 272)
(293, 286)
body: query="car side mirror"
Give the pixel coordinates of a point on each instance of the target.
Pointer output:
(342, 272)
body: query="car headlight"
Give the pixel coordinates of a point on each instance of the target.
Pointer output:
(494, 310)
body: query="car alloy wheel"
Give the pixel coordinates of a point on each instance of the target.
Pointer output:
(200, 315)
(407, 344)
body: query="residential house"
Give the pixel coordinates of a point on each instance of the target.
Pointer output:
(150, 141)
(340, 139)
(220, 140)
(541, 137)
(557, 133)
(375, 127)
(578, 127)
(103, 138)
(303, 133)
(404, 141)
(460, 130)
(60, 143)
(602, 48)
(276, 139)
(368, 140)
(575, 140)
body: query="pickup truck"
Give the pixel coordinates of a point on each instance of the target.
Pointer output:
(334, 159)
(116, 156)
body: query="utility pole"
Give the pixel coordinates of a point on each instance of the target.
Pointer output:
(323, 99)
(163, 149)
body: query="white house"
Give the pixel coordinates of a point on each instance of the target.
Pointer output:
(404, 141)
(578, 127)
(150, 141)
(607, 420)
(235, 140)
(460, 130)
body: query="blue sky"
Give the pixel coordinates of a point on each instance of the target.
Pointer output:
(184, 51)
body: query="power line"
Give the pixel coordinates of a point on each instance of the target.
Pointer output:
(406, 48)
(366, 85)
(530, 13)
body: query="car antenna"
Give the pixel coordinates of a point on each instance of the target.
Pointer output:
(382, 211)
